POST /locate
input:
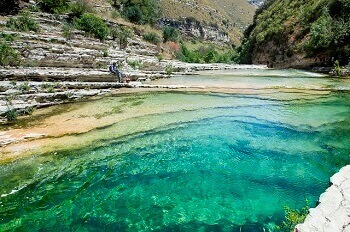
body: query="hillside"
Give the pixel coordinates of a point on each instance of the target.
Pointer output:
(300, 34)
(231, 17)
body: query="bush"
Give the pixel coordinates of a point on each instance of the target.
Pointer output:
(79, 8)
(152, 38)
(93, 25)
(123, 34)
(67, 31)
(54, 6)
(24, 87)
(169, 70)
(7, 37)
(337, 68)
(8, 55)
(22, 23)
(170, 34)
(140, 11)
(11, 115)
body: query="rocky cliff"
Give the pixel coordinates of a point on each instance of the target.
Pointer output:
(299, 34)
(231, 17)
(191, 28)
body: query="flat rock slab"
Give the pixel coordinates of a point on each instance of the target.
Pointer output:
(333, 212)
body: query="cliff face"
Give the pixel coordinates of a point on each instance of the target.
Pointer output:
(231, 17)
(299, 34)
(193, 29)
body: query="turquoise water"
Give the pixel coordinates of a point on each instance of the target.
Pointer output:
(231, 162)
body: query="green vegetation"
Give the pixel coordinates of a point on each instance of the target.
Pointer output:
(122, 34)
(135, 64)
(8, 55)
(337, 68)
(314, 28)
(105, 53)
(29, 110)
(139, 11)
(24, 87)
(206, 54)
(93, 25)
(170, 34)
(67, 31)
(293, 217)
(7, 37)
(169, 70)
(22, 23)
(11, 115)
(152, 38)
(80, 7)
(54, 6)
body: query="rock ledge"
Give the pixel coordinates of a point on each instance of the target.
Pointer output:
(333, 212)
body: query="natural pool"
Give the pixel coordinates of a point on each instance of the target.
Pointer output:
(188, 161)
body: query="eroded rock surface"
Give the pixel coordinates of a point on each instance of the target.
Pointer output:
(333, 212)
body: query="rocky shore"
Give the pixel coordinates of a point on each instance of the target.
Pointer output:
(333, 211)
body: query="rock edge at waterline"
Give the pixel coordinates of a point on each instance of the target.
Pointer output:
(333, 212)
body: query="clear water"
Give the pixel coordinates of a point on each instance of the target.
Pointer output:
(217, 162)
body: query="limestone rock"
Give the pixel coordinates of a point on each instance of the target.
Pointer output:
(333, 212)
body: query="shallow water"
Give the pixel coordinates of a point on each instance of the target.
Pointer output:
(205, 162)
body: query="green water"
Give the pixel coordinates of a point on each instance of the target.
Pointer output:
(217, 162)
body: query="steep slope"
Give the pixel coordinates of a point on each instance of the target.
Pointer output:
(227, 16)
(299, 33)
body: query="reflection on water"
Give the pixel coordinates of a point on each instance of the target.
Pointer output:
(205, 162)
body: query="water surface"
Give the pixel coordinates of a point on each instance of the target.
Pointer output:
(205, 162)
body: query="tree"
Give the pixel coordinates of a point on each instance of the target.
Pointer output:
(139, 11)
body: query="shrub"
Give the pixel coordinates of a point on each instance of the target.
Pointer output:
(7, 37)
(79, 8)
(135, 64)
(169, 70)
(67, 31)
(123, 34)
(24, 87)
(8, 55)
(134, 14)
(160, 57)
(170, 34)
(22, 23)
(152, 38)
(11, 115)
(54, 6)
(337, 68)
(141, 12)
(29, 110)
(93, 25)
(105, 53)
